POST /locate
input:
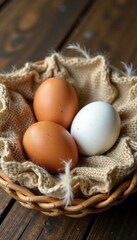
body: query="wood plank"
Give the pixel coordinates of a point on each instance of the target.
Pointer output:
(35, 29)
(109, 28)
(18, 219)
(22, 223)
(4, 199)
(58, 228)
(5, 203)
(65, 228)
(117, 223)
(133, 58)
(3, 2)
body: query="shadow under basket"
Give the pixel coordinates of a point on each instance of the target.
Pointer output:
(105, 80)
(79, 207)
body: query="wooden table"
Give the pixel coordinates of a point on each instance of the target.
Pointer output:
(28, 31)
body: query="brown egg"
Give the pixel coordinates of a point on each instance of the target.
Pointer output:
(48, 144)
(56, 100)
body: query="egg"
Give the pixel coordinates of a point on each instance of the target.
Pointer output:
(49, 145)
(56, 100)
(96, 128)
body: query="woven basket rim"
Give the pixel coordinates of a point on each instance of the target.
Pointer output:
(79, 207)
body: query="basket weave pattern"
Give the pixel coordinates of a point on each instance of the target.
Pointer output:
(78, 208)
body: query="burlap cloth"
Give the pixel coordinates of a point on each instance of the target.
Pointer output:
(93, 80)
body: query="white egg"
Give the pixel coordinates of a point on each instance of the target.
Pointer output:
(96, 128)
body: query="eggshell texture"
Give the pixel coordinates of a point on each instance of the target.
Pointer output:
(56, 100)
(48, 144)
(96, 128)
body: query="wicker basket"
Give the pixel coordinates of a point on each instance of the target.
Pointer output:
(78, 208)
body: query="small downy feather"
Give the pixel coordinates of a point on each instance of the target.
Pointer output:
(52, 51)
(66, 182)
(129, 71)
(78, 48)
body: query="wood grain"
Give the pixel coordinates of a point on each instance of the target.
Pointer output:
(18, 220)
(30, 30)
(109, 28)
(118, 223)
(3, 2)
(26, 224)
(66, 228)
(5, 204)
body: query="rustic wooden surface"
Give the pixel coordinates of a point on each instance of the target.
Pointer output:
(28, 31)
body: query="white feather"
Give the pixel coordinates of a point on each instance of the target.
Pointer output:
(52, 51)
(129, 71)
(78, 48)
(66, 182)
